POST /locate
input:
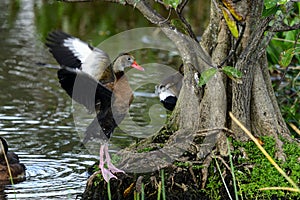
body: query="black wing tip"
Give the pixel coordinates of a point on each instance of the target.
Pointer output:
(59, 34)
(55, 41)
(56, 38)
(170, 102)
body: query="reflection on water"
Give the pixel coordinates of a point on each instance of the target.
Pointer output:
(36, 115)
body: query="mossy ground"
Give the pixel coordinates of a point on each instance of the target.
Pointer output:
(253, 171)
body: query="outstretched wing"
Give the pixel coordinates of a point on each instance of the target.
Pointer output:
(74, 53)
(82, 69)
(67, 50)
(84, 89)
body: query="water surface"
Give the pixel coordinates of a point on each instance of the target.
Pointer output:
(36, 115)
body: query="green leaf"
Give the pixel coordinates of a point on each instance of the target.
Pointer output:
(228, 70)
(286, 57)
(233, 74)
(282, 2)
(172, 3)
(270, 3)
(206, 76)
(297, 50)
(270, 11)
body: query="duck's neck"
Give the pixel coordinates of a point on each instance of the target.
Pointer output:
(119, 74)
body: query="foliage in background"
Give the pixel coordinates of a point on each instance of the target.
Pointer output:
(283, 55)
(95, 21)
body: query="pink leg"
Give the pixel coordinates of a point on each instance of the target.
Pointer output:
(107, 175)
(110, 166)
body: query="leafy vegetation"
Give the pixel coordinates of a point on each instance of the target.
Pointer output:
(284, 58)
(172, 3)
(206, 76)
(231, 72)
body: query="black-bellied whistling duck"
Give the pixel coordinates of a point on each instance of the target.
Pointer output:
(88, 76)
(17, 169)
(168, 90)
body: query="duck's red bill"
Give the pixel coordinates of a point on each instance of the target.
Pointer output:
(137, 66)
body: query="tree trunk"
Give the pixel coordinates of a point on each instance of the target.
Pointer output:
(253, 102)
(200, 122)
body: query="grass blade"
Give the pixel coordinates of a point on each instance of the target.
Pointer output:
(108, 190)
(143, 192)
(159, 191)
(222, 178)
(9, 171)
(232, 171)
(163, 184)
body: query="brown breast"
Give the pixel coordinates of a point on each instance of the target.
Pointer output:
(122, 98)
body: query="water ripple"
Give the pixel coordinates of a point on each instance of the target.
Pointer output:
(36, 115)
(50, 178)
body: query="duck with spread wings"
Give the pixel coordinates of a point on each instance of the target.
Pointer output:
(91, 79)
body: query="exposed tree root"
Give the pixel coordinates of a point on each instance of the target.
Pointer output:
(185, 158)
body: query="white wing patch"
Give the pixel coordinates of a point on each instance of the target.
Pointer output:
(164, 94)
(94, 61)
(79, 48)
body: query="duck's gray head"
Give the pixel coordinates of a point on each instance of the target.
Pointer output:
(125, 60)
